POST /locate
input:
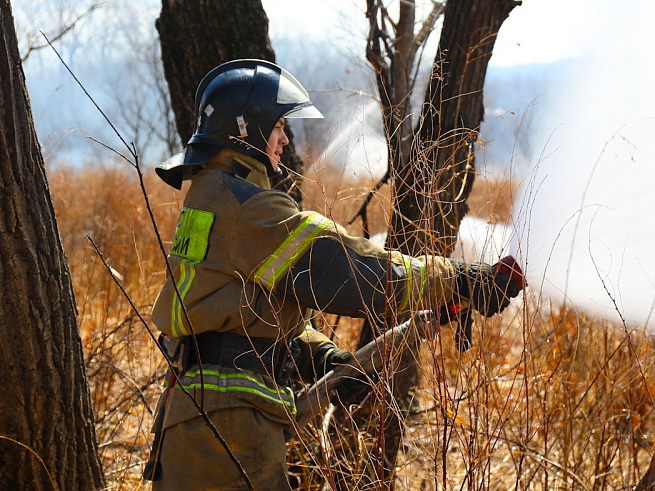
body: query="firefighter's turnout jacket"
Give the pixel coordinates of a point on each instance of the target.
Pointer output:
(246, 260)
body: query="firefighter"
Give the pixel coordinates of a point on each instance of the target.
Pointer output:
(249, 267)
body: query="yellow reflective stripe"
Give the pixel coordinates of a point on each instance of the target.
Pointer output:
(184, 291)
(175, 306)
(183, 286)
(424, 280)
(290, 250)
(250, 390)
(245, 376)
(413, 277)
(407, 292)
(212, 379)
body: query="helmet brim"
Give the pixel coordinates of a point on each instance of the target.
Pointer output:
(195, 154)
(169, 171)
(309, 112)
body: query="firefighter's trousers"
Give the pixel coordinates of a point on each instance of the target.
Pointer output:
(193, 459)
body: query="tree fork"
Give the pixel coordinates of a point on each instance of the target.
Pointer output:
(442, 163)
(434, 175)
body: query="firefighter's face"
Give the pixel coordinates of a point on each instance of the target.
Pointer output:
(276, 142)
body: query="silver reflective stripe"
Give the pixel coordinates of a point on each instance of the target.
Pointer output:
(285, 256)
(237, 382)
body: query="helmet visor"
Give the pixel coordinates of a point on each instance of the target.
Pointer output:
(291, 92)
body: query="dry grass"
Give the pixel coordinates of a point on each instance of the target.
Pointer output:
(546, 399)
(125, 369)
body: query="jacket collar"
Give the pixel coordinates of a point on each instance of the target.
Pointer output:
(242, 166)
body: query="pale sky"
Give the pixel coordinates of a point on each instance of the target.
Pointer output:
(539, 31)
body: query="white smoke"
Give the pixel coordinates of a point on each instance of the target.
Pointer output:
(585, 220)
(357, 144)
(482, 241)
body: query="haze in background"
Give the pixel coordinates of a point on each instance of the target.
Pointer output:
(585, 219)
(568, 110)
(115, 53)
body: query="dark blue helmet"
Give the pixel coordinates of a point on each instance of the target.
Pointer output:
(237, 106)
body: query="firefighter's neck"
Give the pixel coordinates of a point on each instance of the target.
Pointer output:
(242, 166)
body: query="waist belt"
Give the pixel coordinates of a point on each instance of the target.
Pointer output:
(231, 350)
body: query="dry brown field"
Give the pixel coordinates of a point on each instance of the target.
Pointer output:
(547, 399)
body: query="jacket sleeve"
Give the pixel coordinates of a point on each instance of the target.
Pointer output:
(306, 257)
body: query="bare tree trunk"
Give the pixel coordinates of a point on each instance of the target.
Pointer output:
(433, 187)
(432, 167)
(198, 35)
(647, 482)
(46, 421)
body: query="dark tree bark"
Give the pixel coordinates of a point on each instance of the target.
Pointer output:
(45, 407)
(433, 187)
(432, 166)
(647, 482)
(198, 35)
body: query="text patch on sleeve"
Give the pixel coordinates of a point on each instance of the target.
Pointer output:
(192, 234)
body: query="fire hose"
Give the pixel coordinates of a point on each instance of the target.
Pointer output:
(369, 359)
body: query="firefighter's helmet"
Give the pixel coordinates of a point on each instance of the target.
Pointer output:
(237, 106)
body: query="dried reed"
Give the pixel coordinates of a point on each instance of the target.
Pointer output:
(548, 398)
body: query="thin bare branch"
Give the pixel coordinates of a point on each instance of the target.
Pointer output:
(62, 32)
(427, 27)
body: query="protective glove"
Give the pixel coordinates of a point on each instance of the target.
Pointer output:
(487, 289)
(332, 358)
(350, 389)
